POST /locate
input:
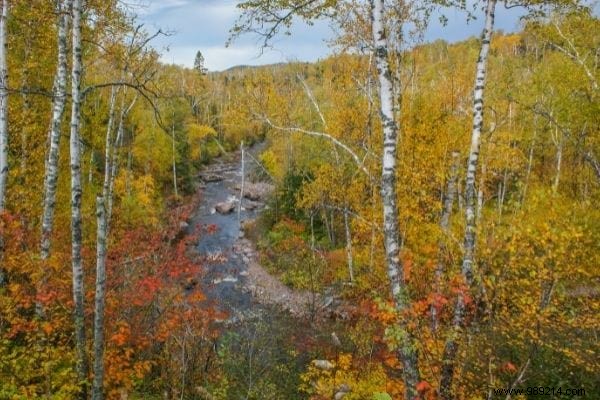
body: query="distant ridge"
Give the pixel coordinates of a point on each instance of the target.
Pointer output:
(239, 68)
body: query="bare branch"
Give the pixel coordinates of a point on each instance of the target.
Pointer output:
(323, 135)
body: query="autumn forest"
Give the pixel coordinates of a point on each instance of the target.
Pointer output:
(403, 219)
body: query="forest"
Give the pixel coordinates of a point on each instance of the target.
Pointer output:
(402, 219)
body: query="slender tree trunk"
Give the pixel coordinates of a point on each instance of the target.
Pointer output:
(51, 164)
(451, 346)
(3, 123)
(559, 154)
(173, 160)
(58, 108)
(91, 167)
(348, 244)
(327, 227)
(97, 391)
(108, 147)
(76, 192)
(243, 178)
(448, 204)
(407, 352)
(115, 161)
(3, 105)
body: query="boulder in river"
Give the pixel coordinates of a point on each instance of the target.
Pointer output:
(225, 207)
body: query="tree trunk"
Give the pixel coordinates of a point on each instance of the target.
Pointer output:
(58, 108)
(559, 153)
(173, 158)
(108, 147)
(3, 122)
(115, 161)
(451, 346)
(243, 178)
(97, 391)
(348, 244)
(407, 351)
(3, 105)
(76, 192)
(449, 197)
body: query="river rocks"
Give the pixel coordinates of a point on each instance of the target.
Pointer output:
(256, 191)
(225, 207)
(227, 279)
(210, 177)
(251, 205)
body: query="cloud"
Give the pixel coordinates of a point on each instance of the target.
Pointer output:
(203, 25)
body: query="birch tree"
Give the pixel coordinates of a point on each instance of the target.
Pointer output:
(3, 121)
(76, 192)
(395, 270)
(451, 346)
(100, 300)
(3, 104)
(58, 107)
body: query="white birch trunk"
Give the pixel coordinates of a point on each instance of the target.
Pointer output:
(3, 105)
(97, 390)
(407, 352)
(243, 177)
(3, 121)
(451, 346)
(559, 156)
(58, 108)
(173, 157)
(108, 147)
(76, 193)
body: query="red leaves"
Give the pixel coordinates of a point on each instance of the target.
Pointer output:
(122, 335)
(422, 386)
(509, 367)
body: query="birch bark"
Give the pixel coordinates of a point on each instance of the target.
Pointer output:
(76, 192)
(108, 146)
(3, 105)
(407, 351)
(58, 108)
(97, 390)
(451, 346)
(3, 122)
(173, 158)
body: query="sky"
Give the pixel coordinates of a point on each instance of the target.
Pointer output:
(203, 25)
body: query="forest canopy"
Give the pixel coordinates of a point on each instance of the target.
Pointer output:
(437, 202)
